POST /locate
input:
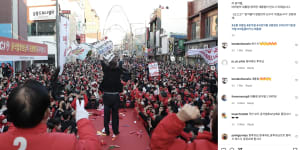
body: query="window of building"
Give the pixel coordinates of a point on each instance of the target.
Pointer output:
(46, 28)
(196, 30)
(207, 27)
(214, 26)
(32, 29)
(211, 26)
(193, 30)
(41, 28)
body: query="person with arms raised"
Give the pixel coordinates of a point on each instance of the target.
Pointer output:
(165, 135)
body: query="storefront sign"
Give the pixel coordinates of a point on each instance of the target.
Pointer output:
(16, 50)
(42, 13)
(65, 12)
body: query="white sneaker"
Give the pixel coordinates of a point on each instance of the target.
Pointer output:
(103, 130)
(114, 137)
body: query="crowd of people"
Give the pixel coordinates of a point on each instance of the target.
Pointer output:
(153, 98)
(79, 80)
(178, 84)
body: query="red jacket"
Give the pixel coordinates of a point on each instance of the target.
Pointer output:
(164, 137)
(38, 138)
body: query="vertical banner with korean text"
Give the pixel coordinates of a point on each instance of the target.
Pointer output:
(64, 41)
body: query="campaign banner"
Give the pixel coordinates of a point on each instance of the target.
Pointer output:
(84, 49)
(210, 55)
(105, 47)
(153, 69)
(64, 41)
(79, 51)
(17, 50)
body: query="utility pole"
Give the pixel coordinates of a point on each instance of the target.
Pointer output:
(145, 48)
(131, 39)
(57, 34)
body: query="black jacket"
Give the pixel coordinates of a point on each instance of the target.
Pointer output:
(111, 79)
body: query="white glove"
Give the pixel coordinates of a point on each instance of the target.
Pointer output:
(80, 111)
(188, 112)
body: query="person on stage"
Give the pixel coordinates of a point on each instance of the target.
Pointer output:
(111, 86)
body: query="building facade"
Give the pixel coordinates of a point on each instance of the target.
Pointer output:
(13, 24)
(167, 28)
(41, 22)
(84, 24)
(154, 33)
(74, 10)
(92, 24)
(202, 27)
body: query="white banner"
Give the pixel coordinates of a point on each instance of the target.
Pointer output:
(42, 13)
(153, 69)
(64, 41)
(104, 47)
(210, 55)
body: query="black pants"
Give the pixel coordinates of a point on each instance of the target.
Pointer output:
(111, 103)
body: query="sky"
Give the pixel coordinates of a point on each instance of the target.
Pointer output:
(138, 13)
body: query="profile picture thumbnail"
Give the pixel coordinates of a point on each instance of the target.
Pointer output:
(224, 116)
(224, 45)
(224, 97)
(224, 136)
(224, 80)
(224, 62)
